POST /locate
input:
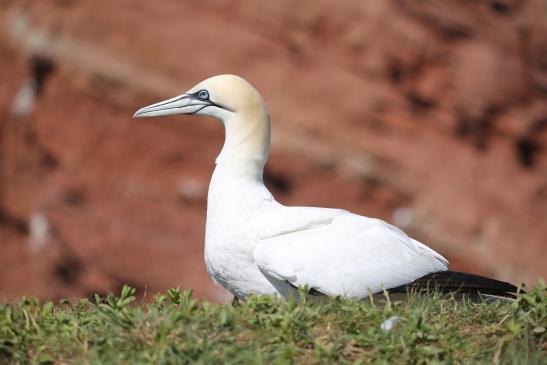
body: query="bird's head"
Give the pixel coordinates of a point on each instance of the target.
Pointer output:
(238, 105)
(220, 96)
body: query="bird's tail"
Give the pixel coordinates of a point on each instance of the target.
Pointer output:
(460, 283)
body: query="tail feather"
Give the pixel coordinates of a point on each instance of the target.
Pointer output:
(459, 282)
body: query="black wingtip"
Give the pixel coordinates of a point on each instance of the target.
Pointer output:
(460, 282)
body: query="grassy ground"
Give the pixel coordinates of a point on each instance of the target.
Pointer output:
(177, 330)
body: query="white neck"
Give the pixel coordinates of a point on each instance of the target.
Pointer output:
(247, 143)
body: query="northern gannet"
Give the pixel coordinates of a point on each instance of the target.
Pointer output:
(253, 244)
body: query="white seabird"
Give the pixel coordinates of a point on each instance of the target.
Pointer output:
(253, 244)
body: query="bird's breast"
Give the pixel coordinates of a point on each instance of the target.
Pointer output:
(230, 262)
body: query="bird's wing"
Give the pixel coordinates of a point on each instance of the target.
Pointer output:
(348, 255)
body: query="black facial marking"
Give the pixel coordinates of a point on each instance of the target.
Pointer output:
(200, 109)
(203, 95)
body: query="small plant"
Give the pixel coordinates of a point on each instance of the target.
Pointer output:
(175, 329)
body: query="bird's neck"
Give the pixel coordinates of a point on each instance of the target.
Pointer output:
(247, 144)
(237, 186)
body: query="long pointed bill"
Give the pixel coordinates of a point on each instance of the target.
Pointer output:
(183, 104)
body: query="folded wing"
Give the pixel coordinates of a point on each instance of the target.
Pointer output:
(349, 255)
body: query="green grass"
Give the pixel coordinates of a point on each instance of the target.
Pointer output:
(178, 330)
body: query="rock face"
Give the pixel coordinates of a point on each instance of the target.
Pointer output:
(431, 115)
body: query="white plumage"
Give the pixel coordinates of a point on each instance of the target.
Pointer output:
(253, 244)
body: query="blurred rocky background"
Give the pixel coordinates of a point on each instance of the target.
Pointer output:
(429, 114)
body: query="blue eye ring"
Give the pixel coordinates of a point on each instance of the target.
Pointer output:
(203, 94)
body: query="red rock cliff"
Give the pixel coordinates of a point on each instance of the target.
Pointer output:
(429, 114)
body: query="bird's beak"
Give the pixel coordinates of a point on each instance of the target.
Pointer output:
(183, 104)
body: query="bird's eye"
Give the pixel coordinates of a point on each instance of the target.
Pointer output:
(203, 94)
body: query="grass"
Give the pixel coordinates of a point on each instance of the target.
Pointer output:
(178, 330)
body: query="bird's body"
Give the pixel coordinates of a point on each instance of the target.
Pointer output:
(254, 244)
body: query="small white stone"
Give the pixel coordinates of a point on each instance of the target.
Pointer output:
(388, 324)
(23, 104)
(39, 231)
